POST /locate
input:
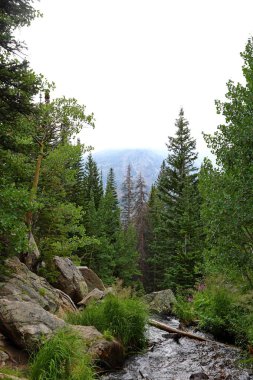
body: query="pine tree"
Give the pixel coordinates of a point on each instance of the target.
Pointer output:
(109, 211)
(156, 242)
(127, 199)
(177, 186)
(140, 221)
(92, 186)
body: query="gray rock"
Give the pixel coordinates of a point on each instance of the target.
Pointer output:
(24, 285)
(31, 258)
(4, 357)
(26, 323)
(160, 302)
(91, 279)
(109, 353)
(70, 279)
(94, 295)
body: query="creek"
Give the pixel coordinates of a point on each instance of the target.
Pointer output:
(171, 357)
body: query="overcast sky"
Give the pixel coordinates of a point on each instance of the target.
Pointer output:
(134, 63)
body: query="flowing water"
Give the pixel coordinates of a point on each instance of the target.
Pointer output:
(170, 358)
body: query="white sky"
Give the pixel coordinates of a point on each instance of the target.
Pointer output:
(134, 63)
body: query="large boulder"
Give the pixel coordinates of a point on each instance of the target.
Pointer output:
(70, 279)
(91, 279)
(94, 295)
(160, 302)
(26, 323)
(108, 353)
(23, 285)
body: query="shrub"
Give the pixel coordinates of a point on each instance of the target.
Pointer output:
(184, 310)
(62, 358)
(125, 319)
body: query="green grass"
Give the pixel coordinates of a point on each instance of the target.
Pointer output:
(125, 319)
(62, 358)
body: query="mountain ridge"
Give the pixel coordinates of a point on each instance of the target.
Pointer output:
(144, 161)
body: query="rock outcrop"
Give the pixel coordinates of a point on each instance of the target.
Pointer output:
(108, 353)
(26, 323)
(70, 279)
(94, 295)
(24, 285)
(91, 279)
(160, 302)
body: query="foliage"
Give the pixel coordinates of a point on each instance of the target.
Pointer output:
(227, 188)
(176, 244)
(127, 256)
(62, 357)
(127, 199)
(125, 319)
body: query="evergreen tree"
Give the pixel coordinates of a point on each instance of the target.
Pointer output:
(127, 256)
(92, 185)
(140, 221)
(180, 227)
(156, 242)
(109, 211)
(127, 199)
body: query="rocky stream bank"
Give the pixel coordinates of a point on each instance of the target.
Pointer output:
(31, 310)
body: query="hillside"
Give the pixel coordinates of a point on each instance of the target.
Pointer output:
(145, 161)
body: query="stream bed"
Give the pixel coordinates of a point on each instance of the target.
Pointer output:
(170, 357)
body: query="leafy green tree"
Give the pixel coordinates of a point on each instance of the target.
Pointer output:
(18, 85)
(227, 188)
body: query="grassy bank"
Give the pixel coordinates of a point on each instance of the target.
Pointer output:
(125, 319)
(221, 308)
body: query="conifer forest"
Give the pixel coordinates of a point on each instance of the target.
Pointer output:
(191, 233)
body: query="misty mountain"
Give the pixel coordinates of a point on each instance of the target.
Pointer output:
(146, 161)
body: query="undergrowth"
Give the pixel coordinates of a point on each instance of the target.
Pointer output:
(124, 318)
(62, 358)
(223, 309)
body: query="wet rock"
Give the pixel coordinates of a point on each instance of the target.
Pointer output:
(24, 285)
(199, 376)
(26, 323)
(109, 353)
(160, 302)
(94, 295)
(91, 278)
(70, 279)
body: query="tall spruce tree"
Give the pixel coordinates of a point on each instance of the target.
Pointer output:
(140, 222)
(179, 230)
(92, 186)
(109, 211)
(156, 242)
(127, 199)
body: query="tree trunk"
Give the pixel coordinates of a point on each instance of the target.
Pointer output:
(35, 185)
(163, 326)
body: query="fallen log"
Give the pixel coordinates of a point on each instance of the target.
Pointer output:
(167, 328)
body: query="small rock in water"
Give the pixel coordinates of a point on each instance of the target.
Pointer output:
(199, 376)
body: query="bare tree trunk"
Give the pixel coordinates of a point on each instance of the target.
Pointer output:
(163, 326)
(34, 189)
